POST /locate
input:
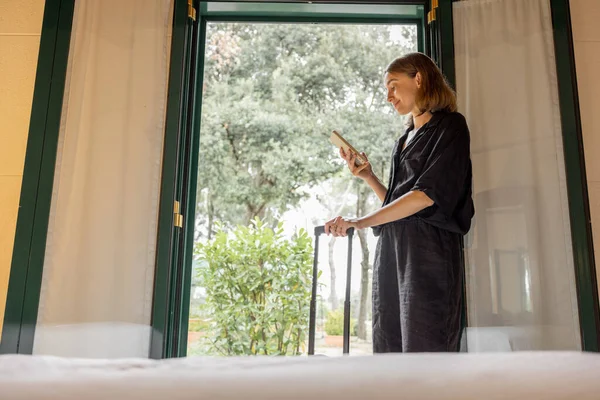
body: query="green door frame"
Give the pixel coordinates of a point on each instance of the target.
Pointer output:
(579, 205)
(38, 177)
(169, 240)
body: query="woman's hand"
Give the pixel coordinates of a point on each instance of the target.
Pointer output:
(339, 225)
(363, 171)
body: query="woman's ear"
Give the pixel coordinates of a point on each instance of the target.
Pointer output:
(418, 79)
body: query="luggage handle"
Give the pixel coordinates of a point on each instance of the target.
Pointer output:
(319, 230)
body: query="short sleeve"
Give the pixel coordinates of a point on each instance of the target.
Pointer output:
(446, 169)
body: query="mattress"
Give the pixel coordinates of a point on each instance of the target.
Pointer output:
(516, 375)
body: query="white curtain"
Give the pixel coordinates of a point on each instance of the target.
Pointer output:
(520, 273)
(97, 287)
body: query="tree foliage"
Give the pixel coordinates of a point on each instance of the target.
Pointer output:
(271, 96)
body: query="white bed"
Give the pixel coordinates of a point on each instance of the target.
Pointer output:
(548, 376)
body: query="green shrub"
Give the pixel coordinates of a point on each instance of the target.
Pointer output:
(258, 286)
(334, 324)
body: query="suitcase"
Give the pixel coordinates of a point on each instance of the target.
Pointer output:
(319, 230)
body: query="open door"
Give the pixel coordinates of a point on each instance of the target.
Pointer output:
(96, 227)
(530, 260)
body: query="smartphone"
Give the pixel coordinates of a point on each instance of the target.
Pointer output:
(337, 140)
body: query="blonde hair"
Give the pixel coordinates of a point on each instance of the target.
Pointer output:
(435, 94)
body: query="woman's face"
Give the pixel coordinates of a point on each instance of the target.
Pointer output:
(402, 91)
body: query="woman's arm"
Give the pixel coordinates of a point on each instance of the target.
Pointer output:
(378, 187)
(405, 206)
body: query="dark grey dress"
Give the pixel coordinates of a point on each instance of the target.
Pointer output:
(417, 276)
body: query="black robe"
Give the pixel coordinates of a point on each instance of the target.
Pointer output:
(417, 275)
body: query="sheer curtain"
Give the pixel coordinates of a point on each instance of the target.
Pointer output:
(520, 273)
(97, 287)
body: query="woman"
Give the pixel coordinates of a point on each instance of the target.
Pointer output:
(427, 208)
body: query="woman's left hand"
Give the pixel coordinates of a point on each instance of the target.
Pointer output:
(339, 225)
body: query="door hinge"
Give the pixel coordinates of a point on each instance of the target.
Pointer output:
(431, 14)
(179, 222)
(177, 217)
(191, 10)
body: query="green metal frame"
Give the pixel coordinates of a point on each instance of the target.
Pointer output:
(421, 26)
(167, 247)
(187, 195)
(446, 40)
(579, 207)
(298, 11)
(441, 44)
(38, 177)
(180, 185)
(267, 12)
(180, 348)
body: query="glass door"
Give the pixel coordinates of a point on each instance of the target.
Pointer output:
(87, 260)
(97, 283)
